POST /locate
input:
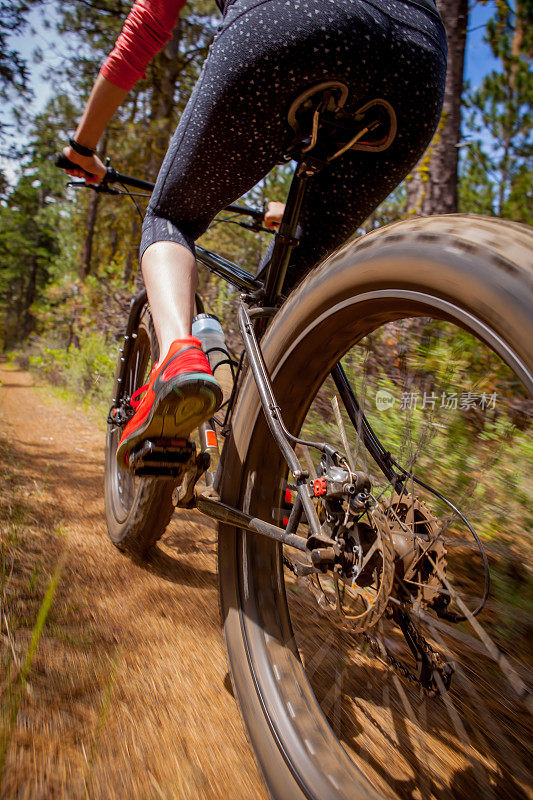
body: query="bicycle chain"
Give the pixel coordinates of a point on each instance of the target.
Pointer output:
(444, 669)
(290, 565)
(396, 664)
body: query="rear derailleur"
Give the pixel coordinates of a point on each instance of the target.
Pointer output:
(428, 662)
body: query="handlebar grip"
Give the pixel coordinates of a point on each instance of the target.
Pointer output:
(61, 161)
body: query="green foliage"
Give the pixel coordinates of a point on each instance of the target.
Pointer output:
(85, 371)
(480, 457)
(512, 587)
(476, 190)
(16, 692)
(13, 68)
(28, 242)
(497, 174)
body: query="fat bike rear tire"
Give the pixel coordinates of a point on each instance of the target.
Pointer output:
(138, 510)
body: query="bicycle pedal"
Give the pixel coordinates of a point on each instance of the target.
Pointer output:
(162, 458)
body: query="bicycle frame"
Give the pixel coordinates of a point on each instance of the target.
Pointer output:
(260, 299)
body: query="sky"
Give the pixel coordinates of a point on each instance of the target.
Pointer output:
(479, 59)
(54, 48)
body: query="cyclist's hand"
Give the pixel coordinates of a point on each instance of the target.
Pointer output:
(90, 164)
(273, 214)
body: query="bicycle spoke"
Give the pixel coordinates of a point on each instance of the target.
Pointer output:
(342, 431)
(498, 737)
(308, 460)
(419, 751)
(457, 581)
(507, 669)
(480, 774)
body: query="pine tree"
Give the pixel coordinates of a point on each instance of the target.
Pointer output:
(501, 119)
(13, 68)
(28, 243)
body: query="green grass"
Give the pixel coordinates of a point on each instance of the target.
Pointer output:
(16, 687)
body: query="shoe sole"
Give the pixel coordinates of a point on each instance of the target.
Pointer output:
(177, 410)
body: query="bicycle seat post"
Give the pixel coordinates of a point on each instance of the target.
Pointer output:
(286, 239)
(316, 99)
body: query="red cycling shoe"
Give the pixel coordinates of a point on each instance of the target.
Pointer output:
(180, 395)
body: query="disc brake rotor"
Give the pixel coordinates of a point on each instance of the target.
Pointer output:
(359, 601)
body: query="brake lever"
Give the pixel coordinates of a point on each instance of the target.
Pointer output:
(101, 188)
(256, 227)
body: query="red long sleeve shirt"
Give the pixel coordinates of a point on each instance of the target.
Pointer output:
(147, 29)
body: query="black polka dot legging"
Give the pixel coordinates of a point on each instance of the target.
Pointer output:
(234, 128)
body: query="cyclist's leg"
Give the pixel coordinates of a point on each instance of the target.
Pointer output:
(345, 193)
(234, 131)
(234, 128)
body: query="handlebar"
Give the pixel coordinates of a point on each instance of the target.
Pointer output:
(112, 176)
(63, 162)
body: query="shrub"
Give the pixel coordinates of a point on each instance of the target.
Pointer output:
(86, 372)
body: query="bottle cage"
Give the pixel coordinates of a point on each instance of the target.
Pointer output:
(317, 118)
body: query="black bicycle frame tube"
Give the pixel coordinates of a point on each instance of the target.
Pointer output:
(233, 516)
(285, 240)
(284, 243)
(381, 456)
(230, 272)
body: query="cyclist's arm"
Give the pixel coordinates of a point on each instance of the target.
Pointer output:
(147, 28)
(103, 101)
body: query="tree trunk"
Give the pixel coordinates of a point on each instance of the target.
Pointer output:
(29, 298)
(90, 224)
(132, 255)
(87, 249)
(433, 186)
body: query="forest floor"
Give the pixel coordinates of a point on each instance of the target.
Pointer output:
(128, 694)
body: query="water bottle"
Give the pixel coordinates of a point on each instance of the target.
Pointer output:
(208, 329)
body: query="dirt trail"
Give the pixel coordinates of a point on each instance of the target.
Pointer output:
(128, 696)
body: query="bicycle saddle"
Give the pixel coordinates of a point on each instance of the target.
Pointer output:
(318, 121)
